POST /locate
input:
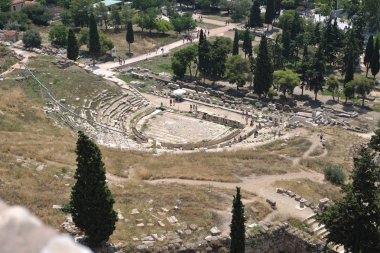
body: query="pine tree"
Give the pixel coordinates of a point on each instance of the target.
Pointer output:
(368, 53)
(255, 15)
(72, 46)
(94, 41)
(247, 43)
(91, 200)
(375, 61)
(235, 49)
(264, 70)
(318, 69)
(237, 233)
(130, 36)
(270, 12)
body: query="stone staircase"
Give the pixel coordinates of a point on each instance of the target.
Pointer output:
(320, 231)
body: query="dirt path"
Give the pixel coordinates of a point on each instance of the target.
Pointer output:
(18, 65)
(315, 142)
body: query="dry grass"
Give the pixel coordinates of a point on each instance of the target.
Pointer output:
(294, 147)
(6, 60)
(317, 151)
(214, 166)
(257, 211)
(310, 190)
(144, 42)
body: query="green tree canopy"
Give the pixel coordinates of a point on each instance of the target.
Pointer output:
(286, 81)
(363, 86)
(31, 38)
(332, 85)
(58, 36)
(237, 69)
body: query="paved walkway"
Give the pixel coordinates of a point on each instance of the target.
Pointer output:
(213, 32)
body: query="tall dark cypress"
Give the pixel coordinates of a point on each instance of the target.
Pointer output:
(270, 12)
(130, 37)
(375, 64)
(235, 49)
(94, 41)
(247, 43)
(91, 200)
(317, 73)
(264, 71)
(349, 57)
(368, 53)
(255, 15)
(237, 233)
(203, 55)
(72, 46)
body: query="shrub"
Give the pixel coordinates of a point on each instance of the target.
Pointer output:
(58, 36)
(335, 174)
(31, 39)
(37, 13)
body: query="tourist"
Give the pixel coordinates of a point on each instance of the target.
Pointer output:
(191, 107)
(208, 32)
(170, 102)
(323, 141)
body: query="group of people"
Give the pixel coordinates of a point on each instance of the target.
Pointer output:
(172, 102)
(121, 61)
(188, 40)
(193, 108)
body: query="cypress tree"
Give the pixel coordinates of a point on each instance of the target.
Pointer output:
(94, 41)
(237, 233)
(247, 43)
(327, 43)
(349, 58)
(255, 15)
(368, 53)
(91, 200)
(129, 36)
(304, 71)
(72, 46)
(235, 49)
(264, 70)
(318, 69)
(375, 64)
(203, 55)
(270, 12)
(286, 42)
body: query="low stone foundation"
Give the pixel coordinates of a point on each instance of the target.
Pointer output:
(279, 238)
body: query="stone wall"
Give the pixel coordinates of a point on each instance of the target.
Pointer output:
(285, 239)
(278, 238)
